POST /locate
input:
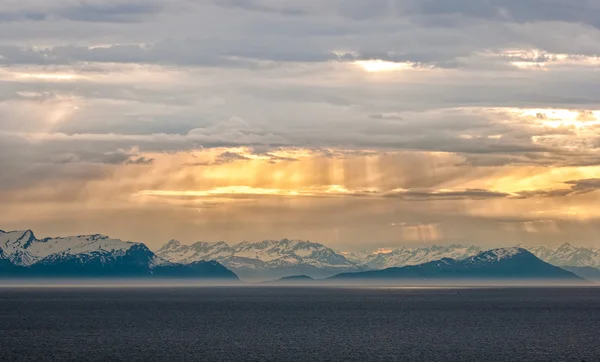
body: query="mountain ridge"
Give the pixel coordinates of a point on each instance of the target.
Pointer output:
(255, 263)
(564, 255)
(497, 264)
(263, 260)
(23, 255)
(568, 255)
(267, 259)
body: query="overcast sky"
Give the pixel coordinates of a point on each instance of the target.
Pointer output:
(358, 124)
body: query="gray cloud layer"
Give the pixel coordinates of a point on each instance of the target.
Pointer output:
(92, 88)
(259, 72)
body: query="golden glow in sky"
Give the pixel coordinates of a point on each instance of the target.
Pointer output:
(164, 138)
(376, 66)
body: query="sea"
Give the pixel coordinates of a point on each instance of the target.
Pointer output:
(299, 324)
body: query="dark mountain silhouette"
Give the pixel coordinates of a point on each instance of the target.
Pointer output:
(296, 278)
(506, 263)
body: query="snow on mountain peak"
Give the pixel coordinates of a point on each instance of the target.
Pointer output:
(22, 247)
(497, 255)
(18, 238)
(566, 247)
(261, 257)
(172, 244)
(176, 252)
(292, 251)
(568, 255)
(503, 253)
(405, 256)
(91, 256)
(13, 245)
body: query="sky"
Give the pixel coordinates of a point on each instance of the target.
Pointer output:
(357, 124)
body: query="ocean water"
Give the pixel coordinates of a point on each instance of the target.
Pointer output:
(299, 324)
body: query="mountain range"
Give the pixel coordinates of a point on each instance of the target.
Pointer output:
(404, 256)
(269, 259)
(513, 264)
(23, 255)
(564, 255)
(568, 255)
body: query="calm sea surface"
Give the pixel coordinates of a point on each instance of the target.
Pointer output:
(300, 324)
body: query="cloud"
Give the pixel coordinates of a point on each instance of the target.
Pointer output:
(390, 116)
(361, 112)
(227, 157)
(333, 191)
(83, 11)
(544, 193)
(512, 10)
(577, 187)
(468, 194)
(140, 161)
(584, 186)
(442, 11)
(284, 7)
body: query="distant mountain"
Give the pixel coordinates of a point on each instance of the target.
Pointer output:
(568, 255)
(411, 256)
(23, 255)
(586, 272)
(565, 255)
(269, 259)
(497, 264)
(185, 254)
(297, 278)
(294, 280)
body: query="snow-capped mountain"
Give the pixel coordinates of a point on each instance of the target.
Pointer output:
(404, 256)
(21, 253)
(360, 257)
(23, 249)
(176, 252)
(269, 259)
(495, 256)
(498, 264)
(568, 255)
(565, 255)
